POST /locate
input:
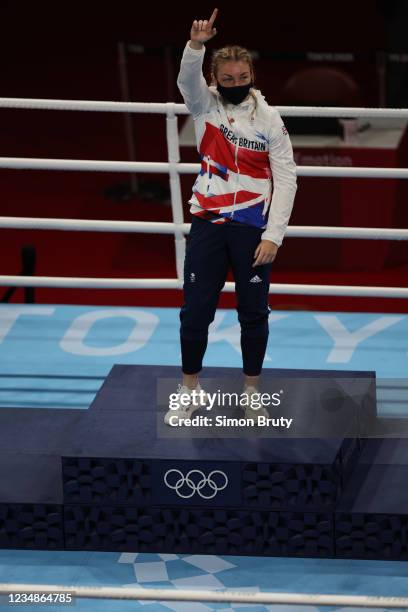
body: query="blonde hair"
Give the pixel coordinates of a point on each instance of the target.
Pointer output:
(233, 53)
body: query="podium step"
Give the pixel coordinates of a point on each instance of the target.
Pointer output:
(371, 519)
(115, 477)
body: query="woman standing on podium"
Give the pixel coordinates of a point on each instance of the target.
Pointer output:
(242, 143)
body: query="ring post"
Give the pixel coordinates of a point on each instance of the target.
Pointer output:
(173, 150)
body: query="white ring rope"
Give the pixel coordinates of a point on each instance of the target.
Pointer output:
(163, 227)
(236, 596)
(181, 109)
(173, 283)
(174, 168)
(91, 165)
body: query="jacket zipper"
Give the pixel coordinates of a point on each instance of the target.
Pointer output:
(235, 194)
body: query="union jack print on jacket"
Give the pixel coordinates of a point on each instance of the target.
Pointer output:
(242, 148)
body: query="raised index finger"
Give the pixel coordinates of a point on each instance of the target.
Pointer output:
(212, 18)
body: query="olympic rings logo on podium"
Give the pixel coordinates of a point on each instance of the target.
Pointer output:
(196, 487)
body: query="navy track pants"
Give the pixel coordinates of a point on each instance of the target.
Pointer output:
(210, 250)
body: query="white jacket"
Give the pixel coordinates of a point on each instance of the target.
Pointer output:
(242, 147)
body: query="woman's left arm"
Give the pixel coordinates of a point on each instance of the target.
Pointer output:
(284, 190)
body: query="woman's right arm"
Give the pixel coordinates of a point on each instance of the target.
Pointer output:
(190, 80)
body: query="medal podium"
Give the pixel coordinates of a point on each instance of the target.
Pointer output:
(116, 478)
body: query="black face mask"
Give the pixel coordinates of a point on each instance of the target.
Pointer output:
(235, 95)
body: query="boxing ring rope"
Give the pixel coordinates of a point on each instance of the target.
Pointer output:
(152, 594)
(174, 168)
(88, 165)
(163, 227)
(170, 283)
(181, 109)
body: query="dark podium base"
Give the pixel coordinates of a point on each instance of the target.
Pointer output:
(115, 478)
